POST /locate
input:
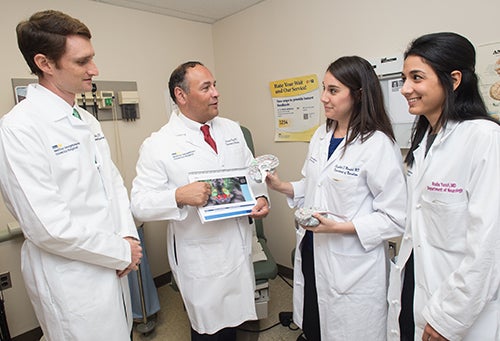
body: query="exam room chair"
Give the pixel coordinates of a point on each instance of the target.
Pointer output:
(265, 270)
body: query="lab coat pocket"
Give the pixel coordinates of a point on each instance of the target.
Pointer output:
(445, 224)
(355, 273)
(206, 258)
(341, 194)
(76, 298)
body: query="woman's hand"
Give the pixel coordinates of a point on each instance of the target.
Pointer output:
(327, 225)
(273, 181)
(430, 334)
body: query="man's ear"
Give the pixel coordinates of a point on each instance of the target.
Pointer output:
(43, 63)
(457, 78)
(180, 95)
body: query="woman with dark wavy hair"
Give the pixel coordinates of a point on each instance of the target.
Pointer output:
(450, 247)
(354, 173)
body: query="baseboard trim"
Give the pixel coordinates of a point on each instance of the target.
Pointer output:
(285, 271)
(32, 335)
(163, 279)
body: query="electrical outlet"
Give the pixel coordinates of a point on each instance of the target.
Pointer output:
(5, 282)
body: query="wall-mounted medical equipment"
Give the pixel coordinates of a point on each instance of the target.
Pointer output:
(388, 70)
(11, 231)
(129, 102)
(108, 100)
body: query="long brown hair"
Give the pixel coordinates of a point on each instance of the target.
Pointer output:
(369, 114)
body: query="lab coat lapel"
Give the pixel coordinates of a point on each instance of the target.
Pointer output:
(422, 161)
(325, 163)
(51, 107)
(193, 138)
(182, 130)
(336, 154)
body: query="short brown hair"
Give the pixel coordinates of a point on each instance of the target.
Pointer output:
(45, 32)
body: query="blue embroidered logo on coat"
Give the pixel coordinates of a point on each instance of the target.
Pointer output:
(60, 149)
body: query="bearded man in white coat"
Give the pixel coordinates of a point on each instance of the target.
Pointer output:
(59, 182)
(211, 262)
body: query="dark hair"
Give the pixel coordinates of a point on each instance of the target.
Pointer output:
(178, 78)
(369, 114)
(446, 52)
(45, 32)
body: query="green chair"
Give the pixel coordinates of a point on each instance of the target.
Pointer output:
(266, 269)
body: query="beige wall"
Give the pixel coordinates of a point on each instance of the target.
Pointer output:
(273, 40)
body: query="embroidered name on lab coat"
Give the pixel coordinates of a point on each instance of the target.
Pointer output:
(177, 155)
(99, 136)
(346, 170)
(60, 149)
(232, 141)
(448, 187)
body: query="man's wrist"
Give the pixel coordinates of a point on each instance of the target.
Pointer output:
(178, 201)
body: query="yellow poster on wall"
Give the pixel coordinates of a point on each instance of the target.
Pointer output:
(488, 70)
(296, 108)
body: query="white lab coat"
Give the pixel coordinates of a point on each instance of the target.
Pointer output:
(58, 180)
(211, 262)
(367, 186)
(453, 228)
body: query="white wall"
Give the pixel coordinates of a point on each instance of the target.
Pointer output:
(279, 39)
(130, 46)
(273, 40)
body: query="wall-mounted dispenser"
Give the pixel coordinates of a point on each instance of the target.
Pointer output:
(389, 71)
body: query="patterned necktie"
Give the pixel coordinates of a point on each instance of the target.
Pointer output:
(206, 133)
(76, 114)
